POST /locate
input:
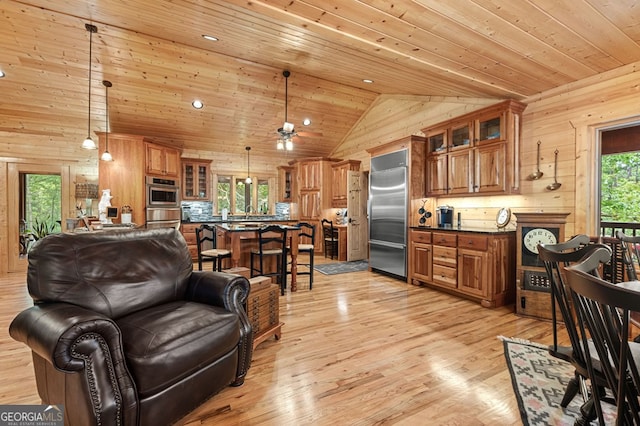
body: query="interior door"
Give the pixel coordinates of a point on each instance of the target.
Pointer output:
(357, 227)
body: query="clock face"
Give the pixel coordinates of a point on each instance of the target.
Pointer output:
(538, 236)
(531, 237)
(503, 217)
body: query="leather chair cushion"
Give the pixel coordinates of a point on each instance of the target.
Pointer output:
(152, 267)
(166, 343)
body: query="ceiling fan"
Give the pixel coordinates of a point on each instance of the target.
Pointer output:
(287, 132)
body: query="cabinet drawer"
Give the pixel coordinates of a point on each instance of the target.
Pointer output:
(444, 239)
(188, 228)
(421, 237)
(473, 242)
(445, 275)
(190, 238)
(446, 256)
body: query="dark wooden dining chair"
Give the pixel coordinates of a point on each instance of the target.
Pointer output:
(307, 235)
(208, 249)
(603, 311)
(630, 254)
(330, 236)
(555, 258)
(272, 244)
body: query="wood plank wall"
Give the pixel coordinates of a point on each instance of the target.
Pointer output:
(566, 118)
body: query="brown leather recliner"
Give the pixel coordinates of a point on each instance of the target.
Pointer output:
(124, 332)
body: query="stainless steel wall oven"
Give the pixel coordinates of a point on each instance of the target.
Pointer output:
(163, 203)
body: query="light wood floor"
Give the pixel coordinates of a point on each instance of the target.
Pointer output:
(359, 349)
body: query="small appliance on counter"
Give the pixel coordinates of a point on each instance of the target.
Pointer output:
(445, 217)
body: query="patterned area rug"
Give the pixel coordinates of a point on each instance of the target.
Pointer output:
(539, 381)
(342, 267)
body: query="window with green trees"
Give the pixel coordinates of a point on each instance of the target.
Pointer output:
(620, 187)
(41, 205)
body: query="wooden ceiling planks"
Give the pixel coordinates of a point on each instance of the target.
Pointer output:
(155, 56)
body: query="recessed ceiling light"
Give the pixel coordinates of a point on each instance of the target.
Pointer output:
(1, 74)
(209, 37)
(368, 81)
(197, 104)
(306, 122)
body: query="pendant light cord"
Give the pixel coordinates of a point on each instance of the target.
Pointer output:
(92, 29)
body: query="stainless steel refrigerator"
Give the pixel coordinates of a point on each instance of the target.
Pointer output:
(388, 213)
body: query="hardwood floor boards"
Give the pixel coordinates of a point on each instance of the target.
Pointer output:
(359, 349)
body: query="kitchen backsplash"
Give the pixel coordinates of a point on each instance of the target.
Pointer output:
(202, 211)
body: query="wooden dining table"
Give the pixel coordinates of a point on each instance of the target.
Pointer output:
(235, 234)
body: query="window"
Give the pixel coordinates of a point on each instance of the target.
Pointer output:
(620, 187)
(224, 193)
(620, 180)
(40, 207)
(243, 196)
(263, 196)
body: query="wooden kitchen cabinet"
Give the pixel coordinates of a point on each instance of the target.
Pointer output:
(285, 184)
(188, 231)
(339, 190)
(444, 259)
(125, 175)
(196, 180)
(162, 160)
(477, 153)
(475, 265)
(421, 265)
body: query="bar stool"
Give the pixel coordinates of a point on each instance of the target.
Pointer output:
(307, 234)
(207, 247)
(330, 235)
(272, 242)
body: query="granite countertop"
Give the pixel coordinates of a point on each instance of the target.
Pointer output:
(248, 226)
(465, 229)
(251, 219)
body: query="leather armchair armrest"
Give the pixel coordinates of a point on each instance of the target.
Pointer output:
(74, 339)
(231, 292)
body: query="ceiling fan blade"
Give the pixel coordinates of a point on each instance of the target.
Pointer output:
(310, 134)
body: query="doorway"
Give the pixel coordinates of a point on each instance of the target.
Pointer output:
(36, 195)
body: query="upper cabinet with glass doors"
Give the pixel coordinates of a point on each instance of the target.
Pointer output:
(195, 180)
(477, 153)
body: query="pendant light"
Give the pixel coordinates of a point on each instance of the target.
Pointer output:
(106, 155)
(248, 179)
(88, 142)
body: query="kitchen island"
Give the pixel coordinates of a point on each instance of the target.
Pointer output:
(240, 237)
(478, 264)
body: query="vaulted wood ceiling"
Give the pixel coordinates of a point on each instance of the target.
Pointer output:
(154, 54)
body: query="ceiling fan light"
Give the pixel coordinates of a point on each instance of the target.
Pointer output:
(88, 143)
(289, 145)
(280, 145)
(288, 127)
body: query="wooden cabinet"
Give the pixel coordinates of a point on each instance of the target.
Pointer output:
(162, 160)
(125, 175)
(189, 233)
(309, 175)
(444, 259)
(285, 184)
(472, 265)
(263, 309)
(478, 153)
(196, 180)
(475, 265)
(339, 190)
